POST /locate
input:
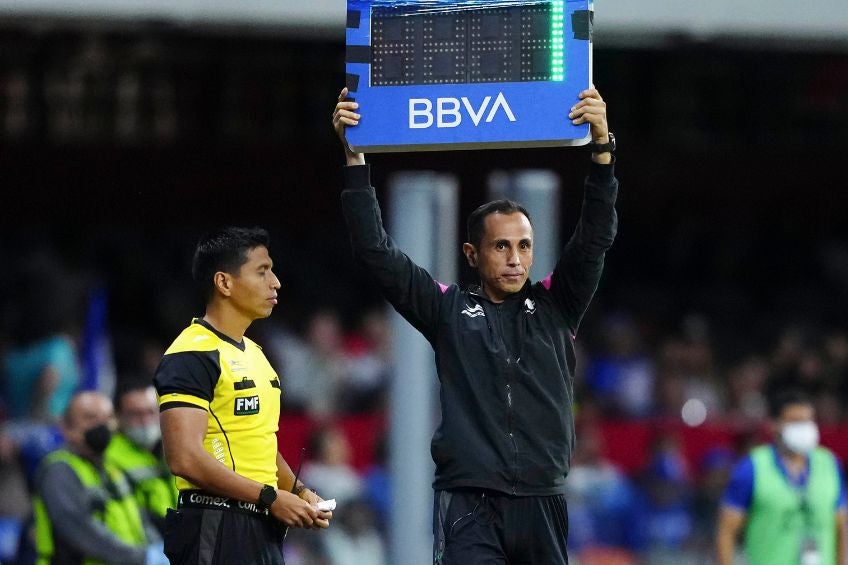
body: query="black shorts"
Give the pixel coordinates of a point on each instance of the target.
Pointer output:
(200, 536)
(475, 527)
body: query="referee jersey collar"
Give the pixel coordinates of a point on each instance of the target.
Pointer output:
(239, 344)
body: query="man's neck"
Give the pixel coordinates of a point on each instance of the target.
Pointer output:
(228, 323)
(87, 454)
(485, 291)
(795, 464)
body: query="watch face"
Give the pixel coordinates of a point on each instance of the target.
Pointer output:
(267, 496)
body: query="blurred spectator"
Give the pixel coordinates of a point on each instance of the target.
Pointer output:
(289, 355)
(312, 370)
(666, 521)
(622, 377)
(715, 469)
(354, 539)
(40, 372)
(601, 499)
(377, 481)
(788, 496)
(745, 385)
(329, 470)
(85, 509)
(687, 371)
(369, 352)
(796, 362)
(137, 451)
(41, 366)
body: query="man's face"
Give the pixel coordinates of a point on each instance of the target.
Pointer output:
(504, 255)
(87, 410)
(138, 408)
(253, 290)
(793, 413)
(797, 428)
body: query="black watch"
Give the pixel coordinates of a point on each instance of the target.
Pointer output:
(603, 147)
(267, 496)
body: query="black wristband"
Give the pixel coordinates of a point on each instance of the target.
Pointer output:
(608, 147)
(267, 496)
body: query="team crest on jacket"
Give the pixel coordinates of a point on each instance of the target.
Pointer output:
(473, 312)
(530, 305)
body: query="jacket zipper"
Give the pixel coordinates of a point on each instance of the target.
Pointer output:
(509, 411)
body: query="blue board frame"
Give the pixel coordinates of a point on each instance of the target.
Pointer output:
(490, 115)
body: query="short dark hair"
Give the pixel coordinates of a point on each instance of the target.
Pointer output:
(224, 250)
(477, 219)
(127, 384)
(786, 397)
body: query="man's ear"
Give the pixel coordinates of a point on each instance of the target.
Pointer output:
(223, 283)
(470, 254)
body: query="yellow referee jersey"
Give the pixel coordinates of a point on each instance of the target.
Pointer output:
(239, 390)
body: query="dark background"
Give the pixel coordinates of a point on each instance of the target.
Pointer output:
(120, 146)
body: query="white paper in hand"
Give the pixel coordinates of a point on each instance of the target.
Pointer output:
(327, 505)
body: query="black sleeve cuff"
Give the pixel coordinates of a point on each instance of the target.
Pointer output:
(602, 174)
(357, 177)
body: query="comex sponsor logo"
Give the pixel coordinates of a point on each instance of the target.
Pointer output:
(251, 507)
(209, 500)
(474, 312)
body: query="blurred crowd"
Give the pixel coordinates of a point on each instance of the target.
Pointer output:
(659, 511)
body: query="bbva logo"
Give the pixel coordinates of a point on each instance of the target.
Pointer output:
(449, 111)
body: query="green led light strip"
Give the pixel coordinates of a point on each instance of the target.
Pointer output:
(557, 45)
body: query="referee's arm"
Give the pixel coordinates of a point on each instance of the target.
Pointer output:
(183, 432)
(285, 481)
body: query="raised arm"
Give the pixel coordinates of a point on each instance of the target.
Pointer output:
(578, 271)
(344, 116)
(408, 287)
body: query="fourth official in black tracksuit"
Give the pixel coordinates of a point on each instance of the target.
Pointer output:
(503, 447)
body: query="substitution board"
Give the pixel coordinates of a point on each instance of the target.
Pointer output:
(467, 74)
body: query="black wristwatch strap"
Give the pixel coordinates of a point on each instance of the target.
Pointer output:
(267, 496)
(602, 147)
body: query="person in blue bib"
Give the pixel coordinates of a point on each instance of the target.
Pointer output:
(787, 496)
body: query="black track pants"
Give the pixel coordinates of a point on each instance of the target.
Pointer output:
(196, 536)
(475, 527)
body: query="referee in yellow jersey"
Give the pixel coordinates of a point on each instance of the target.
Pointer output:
(219, 403)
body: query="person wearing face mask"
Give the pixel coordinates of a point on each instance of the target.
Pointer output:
(136, 449)
(85, 511)
(788, 496)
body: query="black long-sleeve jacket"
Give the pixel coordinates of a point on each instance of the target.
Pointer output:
(505, 369)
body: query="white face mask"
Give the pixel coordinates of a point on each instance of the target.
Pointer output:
(144, 436)
(800, 437)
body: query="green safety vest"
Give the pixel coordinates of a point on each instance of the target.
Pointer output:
(121, 515)
(153, 486)
(777, 522)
